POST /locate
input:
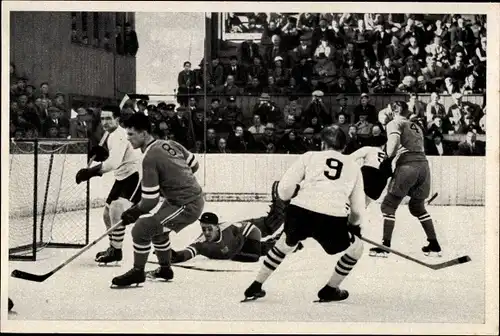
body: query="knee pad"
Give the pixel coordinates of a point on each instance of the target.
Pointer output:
(355, 250)
(145, 228)
(417, 207)
(390, 204)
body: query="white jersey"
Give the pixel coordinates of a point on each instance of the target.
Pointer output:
(329, 182)
(369, 156)
(123, 159)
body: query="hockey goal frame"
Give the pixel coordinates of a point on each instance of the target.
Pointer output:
(37, 233)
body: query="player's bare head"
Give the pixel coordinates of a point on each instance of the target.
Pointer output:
(332, 137)
(110, 115)
(210, 226)
(138, 129)
(400, 108)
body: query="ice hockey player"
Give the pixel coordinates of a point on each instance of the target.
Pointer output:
(411, 177)
(167, 169)
(374, 169)
(122, 159)
(328, 182)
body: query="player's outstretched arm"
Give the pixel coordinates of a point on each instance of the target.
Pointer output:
(393, 139)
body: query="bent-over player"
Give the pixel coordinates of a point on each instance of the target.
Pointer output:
(374, 171)
(121, 158)
(328, 182)
(411, 177)
(167, 170)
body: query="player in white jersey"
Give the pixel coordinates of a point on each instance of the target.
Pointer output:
(122, 159)
(328, 182)
(375, 175)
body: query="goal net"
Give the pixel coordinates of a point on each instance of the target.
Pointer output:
(46, 206)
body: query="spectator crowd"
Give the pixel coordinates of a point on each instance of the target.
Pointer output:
(304, 55)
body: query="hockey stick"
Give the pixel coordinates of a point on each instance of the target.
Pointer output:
(442, 265)
(40, 278)
(196, 268)
(432, 198)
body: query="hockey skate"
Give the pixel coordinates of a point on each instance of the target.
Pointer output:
(432, 249)
(134, 276)
(110, 255)
(380, 252)
(329, 294)
(254, 292)
(163, 272)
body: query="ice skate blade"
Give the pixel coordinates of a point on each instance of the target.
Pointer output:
(378, 255)
(101, 264)
(433, 254)
(253, 298)
(152, 279)
(136, 285)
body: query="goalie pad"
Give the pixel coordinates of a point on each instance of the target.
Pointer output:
(99, 153)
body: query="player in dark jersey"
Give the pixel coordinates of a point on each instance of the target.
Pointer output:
(411, 177)
(167, 170)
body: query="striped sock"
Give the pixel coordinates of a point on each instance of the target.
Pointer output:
(274, 258)
(162, 250)
(389, 222)
(428, 226)
(344, 266)
(141, 254)
(117, 236)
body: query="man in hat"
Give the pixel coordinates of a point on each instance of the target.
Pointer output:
(268, 111)
(317, 108)
(304, 50)
(364, 107)
(237, 241)
(325, 69)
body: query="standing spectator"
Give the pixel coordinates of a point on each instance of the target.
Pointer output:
(248, 51)
(317, 108)
(119, 39)
(199, 125)
(131, 43)
(44, 91)
(186, 81)
(215, 75)
(55, 120)
(270, 30)
(337, 36)
(307, 22)
(267, 110)
(365, 108)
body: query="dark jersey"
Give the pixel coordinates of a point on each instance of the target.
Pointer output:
(166, 171)
(232, 238)
(411, 137)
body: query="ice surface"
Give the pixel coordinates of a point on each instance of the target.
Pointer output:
(381, 290)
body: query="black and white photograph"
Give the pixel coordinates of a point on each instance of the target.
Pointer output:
(194, 167)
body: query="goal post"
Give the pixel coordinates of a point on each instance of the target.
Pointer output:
(47, 209)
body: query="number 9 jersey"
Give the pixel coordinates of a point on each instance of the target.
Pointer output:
(411, 139)
(327, 180)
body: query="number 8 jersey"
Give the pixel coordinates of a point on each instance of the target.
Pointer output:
(166, 171)
(411, 139)
(327, 180)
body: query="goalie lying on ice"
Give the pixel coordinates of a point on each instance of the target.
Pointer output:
(240, 241)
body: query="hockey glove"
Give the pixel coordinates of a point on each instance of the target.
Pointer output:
(86, 174)
(99, 153)
(130, 215)
(386, 167)
(355, 230)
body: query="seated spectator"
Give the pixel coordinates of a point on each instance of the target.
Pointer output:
(433, 74)
(240, 141)
(359, 86)
(55, 119)
(267, 109)
(342, 122)
(309, 142)
(215, 75)
(315, 123)
(436, 146)
(214, 115)
(257, 70)
(434, 108)
(270, 30)
(237, 71)
(383, 86)
(275, 50)
(292, 88)
(353, 141)
(280, 74)
(324, 70)
(198, 147)
(199, 125)
(409, 84)
(222, 146)
(211, 141)
(416, 107)
(229, 88)
(450, 86)
(293, 108)
(341, 86)
(468, 124)
(254, 88)
(302, 73)
(257, 129)
(82, 126)
(369, 73)
(395, 52)
(324, 48)
(321, 31)
(267, 139)
(307, 22)
(364, 128)
(410, 68)
(351, 71)
(481, 51)
(478, 69)
(52, 132)
(390, 71)
(441, 32)
(272, 88)
(30, 92)
(290, 143)
(470, 146)
(343, 108)
(458, 71)
(436, 50)
(233, 24)
(463, 34)
(365, 108)
(470, 86)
